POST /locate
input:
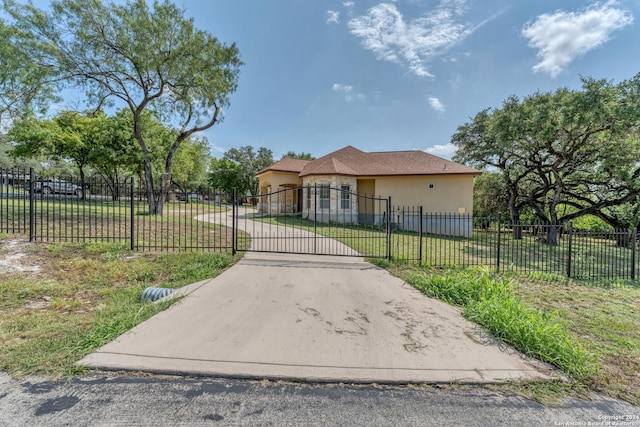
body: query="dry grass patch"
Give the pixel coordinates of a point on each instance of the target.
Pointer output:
(81, 297)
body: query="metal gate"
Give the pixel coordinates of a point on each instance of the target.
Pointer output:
(321, 220)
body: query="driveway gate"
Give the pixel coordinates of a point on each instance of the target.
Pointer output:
(320, 220)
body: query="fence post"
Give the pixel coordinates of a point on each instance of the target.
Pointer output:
(234, 243)
(315, 218)
(32, 202)
(634, 236)
(389, 213)
(570, 249)
(132, 212)
(498, 253)
(420, 237)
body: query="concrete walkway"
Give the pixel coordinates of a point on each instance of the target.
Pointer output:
(267, 237)
(313, 318)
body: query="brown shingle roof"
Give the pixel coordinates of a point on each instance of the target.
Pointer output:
(287, 164)
(353, 162)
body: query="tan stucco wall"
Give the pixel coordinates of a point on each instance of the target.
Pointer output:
(451, 193)
(276, 179)
(284, 202)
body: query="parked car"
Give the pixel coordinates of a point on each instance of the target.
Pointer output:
(189, 197)
(56, 186)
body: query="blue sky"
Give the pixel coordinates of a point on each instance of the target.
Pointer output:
(403, 74)
(400, 75)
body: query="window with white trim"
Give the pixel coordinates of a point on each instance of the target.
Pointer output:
(345, 197)
(324, 197)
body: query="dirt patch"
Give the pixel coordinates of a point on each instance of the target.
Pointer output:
(15, 257)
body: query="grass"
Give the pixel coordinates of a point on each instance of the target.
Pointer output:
(591, 257)
(604, 318)
(88, 293)
(72, 219)
(83, 296)
(589, 332)
(492, 303)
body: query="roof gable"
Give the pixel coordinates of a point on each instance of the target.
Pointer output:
(286, 164)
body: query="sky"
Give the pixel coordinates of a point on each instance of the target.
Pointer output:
(402, 75)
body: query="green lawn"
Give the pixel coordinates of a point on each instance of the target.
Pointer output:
(72, 219)
(591, 257)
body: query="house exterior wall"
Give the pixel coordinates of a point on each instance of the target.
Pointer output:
(273, 181)
(366, 204)
(335, 211)
(437, 194)
(446, 200)
(450, 193)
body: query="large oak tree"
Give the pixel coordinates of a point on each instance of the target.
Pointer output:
(577, 148)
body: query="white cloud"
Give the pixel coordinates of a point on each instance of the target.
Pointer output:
(561, 37)
(443, 150)
(436, 104)
(333, 17)
(348, 3)
(348, 92)
(384, 31)
(341, 87)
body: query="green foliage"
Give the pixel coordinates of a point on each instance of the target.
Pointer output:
(108, 145)
(190, 163)
(250, 162)
(302, 155)
(566, 149)
(590, 223)
(490, 195)
(25, 82)
(225, 175)
(491, 302)
(147, 57)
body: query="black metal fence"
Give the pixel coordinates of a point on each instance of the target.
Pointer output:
(463, 240)
(64, 209)
(98, 209)
(320, 220)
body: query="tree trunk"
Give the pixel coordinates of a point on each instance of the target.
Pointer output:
(516, 227)
(623, 240)
(552, 235)
(514, 213)
(151, 198)
(165, 186)
(82, 183)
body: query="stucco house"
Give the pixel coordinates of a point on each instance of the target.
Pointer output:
(338, 186)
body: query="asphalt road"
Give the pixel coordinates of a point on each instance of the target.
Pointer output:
(182, 401)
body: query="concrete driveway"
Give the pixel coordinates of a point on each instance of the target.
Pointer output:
(313, 318)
